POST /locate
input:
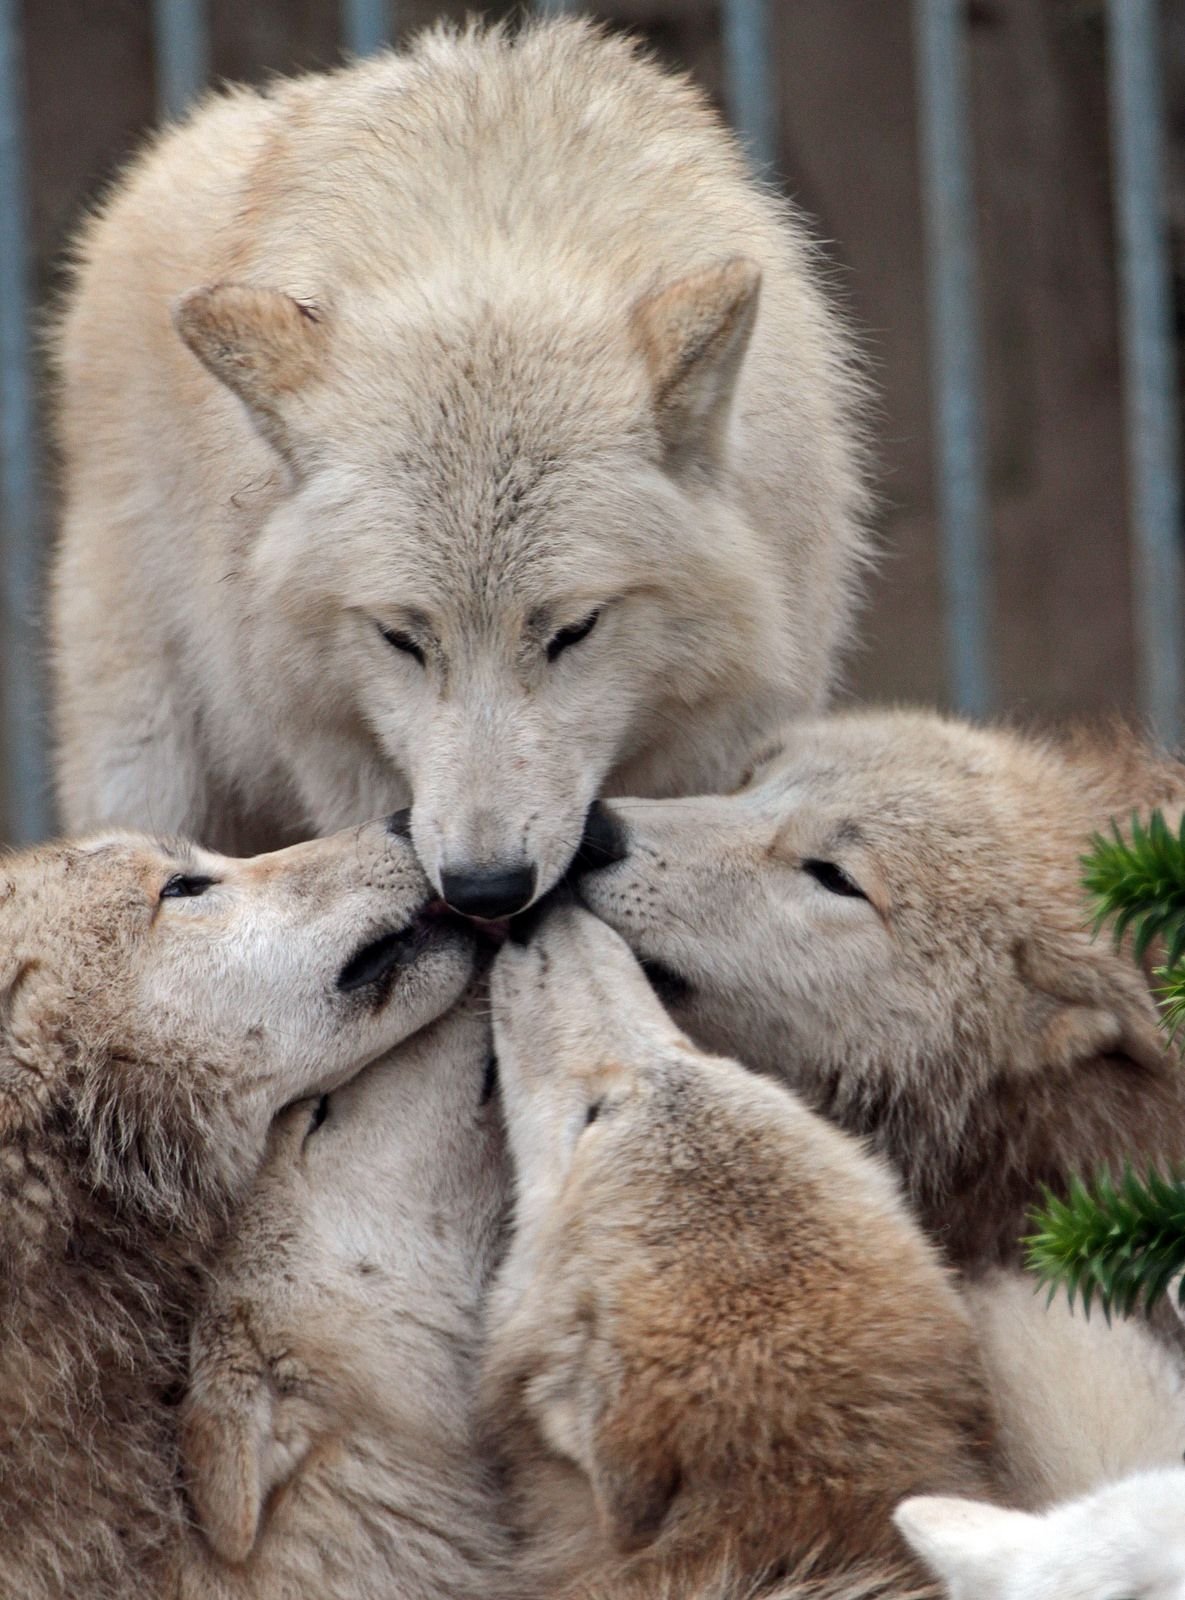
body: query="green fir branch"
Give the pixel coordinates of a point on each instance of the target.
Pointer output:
(1118, 1244)
(1139, 884)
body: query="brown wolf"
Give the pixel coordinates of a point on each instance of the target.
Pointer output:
(889, 915)
(517, 461)
(719, 1350)
(158, 1006)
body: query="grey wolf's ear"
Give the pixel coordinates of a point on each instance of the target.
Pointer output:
(969, 1544)
(694, 335)
(230, 1454)
(261, 343)
(1088, 999)
(31, 1000)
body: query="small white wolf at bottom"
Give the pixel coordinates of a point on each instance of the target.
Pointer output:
(1125, 1541)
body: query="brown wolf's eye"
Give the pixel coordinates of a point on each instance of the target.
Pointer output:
(181, 887)
(403, 642)
(834, 879)
(567, 637)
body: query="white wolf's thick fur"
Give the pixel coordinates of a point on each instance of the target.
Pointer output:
(718, 1339)
(146, 1043)
(946, 998)
(1124, 1542)
(327, 1439)
(478, 316)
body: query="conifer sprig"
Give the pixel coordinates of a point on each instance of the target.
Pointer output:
(1120, 1244)
(1140, 884)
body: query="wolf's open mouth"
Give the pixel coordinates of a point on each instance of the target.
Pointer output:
(399, 947)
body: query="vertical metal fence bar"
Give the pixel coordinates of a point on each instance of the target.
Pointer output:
(557, 8)
(949, 209)
(181, 47)
(367, 25)
(749, 78)
(26, 786)
(1150, 381)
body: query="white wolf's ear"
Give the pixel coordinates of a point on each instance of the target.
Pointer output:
(1088, 999)
(264, 345)
(694, 335)
(968, 1544)
(232, 1457)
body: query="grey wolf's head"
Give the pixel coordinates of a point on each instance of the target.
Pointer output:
(509, 558)
(338, 1341)
(889, 913)
(1125, 1539)
(702, 1279)
(162, 1003)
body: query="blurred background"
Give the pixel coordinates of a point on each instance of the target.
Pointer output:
(1000, 188)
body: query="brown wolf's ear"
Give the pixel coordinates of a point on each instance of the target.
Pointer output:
(229, 1451)
(694, 335)
(1088, 999)
(263, 344)
(635, 1477)
(31, 1001)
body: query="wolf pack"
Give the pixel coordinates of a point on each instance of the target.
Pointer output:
(586, 1154)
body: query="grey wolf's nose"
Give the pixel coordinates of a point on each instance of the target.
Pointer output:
(488, 892)
(399, 824)
(605, 841)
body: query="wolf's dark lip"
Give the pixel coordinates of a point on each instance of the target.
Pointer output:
(379, 957)
(667, 984)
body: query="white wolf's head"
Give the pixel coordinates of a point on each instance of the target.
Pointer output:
(1124, 1542)
(509, 552)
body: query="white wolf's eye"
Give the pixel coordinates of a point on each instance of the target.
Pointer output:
(834, 879)
(185, 887)
(403, 642)
(567, 637)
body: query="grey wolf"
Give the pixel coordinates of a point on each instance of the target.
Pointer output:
(464, 429)
(159, 1005)
(327, 1441)
(1126, 1539)
(889, 916)
(719, 1345)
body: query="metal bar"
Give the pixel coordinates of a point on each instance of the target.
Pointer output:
(26, 786)
(181, 47)
(749, 77)
(557, 8)
(1154, 490)
(367, 25)
(954, 343)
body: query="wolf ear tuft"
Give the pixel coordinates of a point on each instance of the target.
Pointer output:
(693, 335)
(263, 344)
(229, 1451)
(965, 1543)
(1088, 999)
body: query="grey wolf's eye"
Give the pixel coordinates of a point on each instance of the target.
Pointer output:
(567, 637)
(592, 1113)
(834, 879)
(403, 642)
(320, 1114)
(181, 887)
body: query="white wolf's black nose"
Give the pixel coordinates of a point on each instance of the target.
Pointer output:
(488, 892)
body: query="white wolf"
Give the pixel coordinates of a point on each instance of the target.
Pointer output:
(158, 1006)
(492, 486)
(1124, 1542)
(327, 1440)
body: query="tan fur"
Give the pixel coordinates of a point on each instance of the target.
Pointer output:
(491, 335)
(961, 1016)
(327, 1443)
(145, 1046)
(718, 1340)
